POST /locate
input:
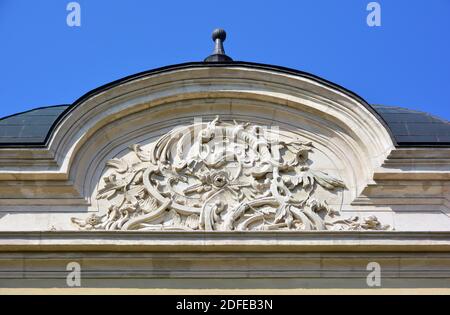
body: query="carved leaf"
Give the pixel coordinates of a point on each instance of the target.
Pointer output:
(120, 165)
(175, 217)
(327, 181)
(193, 221)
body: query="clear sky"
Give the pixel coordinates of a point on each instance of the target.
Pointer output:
(404, 62)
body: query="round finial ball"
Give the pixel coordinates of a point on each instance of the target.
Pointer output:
(219, 33)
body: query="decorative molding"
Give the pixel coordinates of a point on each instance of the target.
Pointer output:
(216, 259)
(230, 241)
(220, 176)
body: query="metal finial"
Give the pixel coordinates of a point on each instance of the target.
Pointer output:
(218, 55)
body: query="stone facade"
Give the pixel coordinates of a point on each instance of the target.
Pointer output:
(224, 171)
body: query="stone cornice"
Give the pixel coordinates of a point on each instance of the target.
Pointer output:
(98, 241)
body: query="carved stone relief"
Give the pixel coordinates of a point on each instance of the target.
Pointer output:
(220, 176)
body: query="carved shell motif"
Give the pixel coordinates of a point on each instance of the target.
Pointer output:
(220, 176)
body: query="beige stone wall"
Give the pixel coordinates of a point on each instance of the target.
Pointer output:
(225, 261)
(42, 189)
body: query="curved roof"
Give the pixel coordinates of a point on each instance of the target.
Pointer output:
(408, 127)
(30, 127)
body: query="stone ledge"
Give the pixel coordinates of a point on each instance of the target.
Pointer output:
(316, 241)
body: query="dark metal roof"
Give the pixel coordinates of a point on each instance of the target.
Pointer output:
(407, 127)
(414, 128)
(31, 127)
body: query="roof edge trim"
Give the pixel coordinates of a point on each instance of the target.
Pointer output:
(188, 65)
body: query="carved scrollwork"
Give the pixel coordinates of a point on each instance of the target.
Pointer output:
(220, 176)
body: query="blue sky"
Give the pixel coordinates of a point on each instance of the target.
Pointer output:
(405, 62)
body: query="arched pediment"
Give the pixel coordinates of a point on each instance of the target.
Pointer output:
(349, 141)
(277, 90)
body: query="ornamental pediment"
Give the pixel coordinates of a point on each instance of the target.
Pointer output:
(222, 147)
(221, 176)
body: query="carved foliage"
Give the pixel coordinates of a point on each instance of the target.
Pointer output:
(220, 176)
